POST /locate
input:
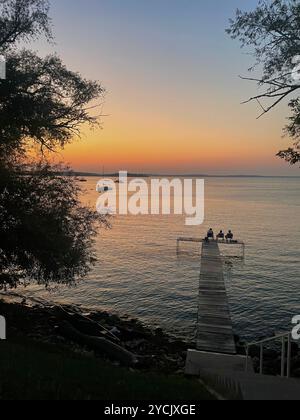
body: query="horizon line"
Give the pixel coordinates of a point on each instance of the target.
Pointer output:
(136, 174)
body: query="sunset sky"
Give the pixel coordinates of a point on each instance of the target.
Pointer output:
(173, 101)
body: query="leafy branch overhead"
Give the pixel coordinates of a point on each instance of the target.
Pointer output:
(23, 20)
(47, 102)
(272, 31)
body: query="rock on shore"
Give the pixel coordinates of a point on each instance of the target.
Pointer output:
(158, 350)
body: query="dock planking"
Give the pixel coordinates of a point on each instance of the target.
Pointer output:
(214, 329)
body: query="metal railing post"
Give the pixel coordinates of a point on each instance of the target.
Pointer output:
(286, 353)
(247, 358)
(289, 354)
(283, 357)
(261, 365)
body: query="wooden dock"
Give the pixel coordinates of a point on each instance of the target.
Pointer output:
(214, 330)
(220, 242)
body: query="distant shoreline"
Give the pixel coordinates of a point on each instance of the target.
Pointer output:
(141, 175)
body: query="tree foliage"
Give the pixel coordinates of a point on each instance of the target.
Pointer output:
(43, 101)
(23, 20)
(272, 30)
(46, 234)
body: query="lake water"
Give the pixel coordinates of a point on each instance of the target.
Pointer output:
(138, 272)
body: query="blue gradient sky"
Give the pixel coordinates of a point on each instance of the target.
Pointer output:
(173, 93)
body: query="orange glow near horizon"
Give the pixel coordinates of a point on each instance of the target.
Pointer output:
(173, 100)
(139, 146)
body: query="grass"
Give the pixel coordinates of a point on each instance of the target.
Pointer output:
(31, 370)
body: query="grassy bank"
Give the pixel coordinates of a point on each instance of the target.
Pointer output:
(38, 364)
(36, 371)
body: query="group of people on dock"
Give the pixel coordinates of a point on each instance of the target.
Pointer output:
(220, 237)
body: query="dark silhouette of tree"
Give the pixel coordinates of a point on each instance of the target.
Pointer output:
(46, 234)
(23, 20)
(43, 102)
(272, 30)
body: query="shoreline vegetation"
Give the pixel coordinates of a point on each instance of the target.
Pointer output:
(65, 335)
(56, 324)
(53, 348)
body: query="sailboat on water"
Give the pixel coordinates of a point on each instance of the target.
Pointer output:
(103, 187)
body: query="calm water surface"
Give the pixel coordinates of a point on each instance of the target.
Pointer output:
(138, 272)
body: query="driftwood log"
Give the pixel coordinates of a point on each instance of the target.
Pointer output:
(102, 345)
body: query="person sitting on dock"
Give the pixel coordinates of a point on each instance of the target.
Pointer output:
(229, 236)
(221, 235)
(210, 234)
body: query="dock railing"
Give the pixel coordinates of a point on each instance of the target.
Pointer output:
(219, 241)
(286, 354)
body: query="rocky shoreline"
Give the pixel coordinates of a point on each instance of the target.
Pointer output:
(159, 351)
(156, 350)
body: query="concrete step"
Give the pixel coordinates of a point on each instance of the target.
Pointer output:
(226, 375)
(253, 387)
(198, 360)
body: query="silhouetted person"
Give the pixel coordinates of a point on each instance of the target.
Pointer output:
(229, 236)
(210, 234)
(221, 235)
